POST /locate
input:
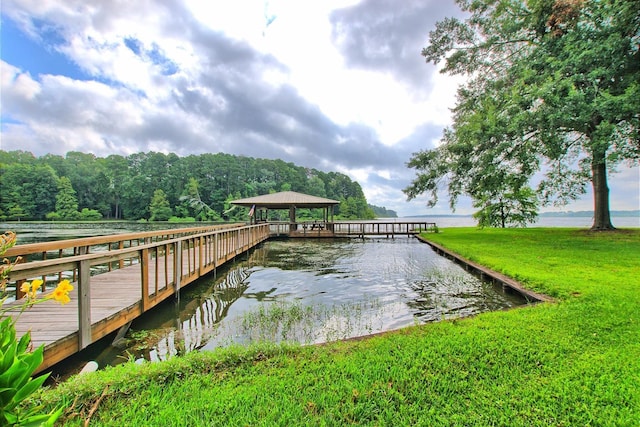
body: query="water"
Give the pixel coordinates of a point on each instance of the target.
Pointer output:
(30, 232)
(313, 291)
(577, 221)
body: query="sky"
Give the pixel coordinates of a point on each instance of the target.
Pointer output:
(333, 85)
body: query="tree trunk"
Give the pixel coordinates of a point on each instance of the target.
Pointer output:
(601, 214)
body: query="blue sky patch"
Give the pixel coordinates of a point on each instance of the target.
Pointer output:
(155, 55)
(36, 56)
(158, 57)
(134, 45)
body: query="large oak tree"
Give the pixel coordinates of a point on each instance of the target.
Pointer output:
(552, 86)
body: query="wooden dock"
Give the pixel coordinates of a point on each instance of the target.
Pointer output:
(114, 286)
(118, 278)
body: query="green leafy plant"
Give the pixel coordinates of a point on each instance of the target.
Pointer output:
(17, 362)
(17, 365)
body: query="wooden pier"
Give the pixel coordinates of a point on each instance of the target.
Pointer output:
(118, 278)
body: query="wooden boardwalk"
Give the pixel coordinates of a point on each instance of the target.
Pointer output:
(117, 278)
(136, 279)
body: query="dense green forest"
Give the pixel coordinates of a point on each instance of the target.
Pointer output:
(158, 187)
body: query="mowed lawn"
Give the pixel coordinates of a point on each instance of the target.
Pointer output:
(572, 362)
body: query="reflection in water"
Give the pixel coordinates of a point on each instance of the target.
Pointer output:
(177, 328)
(312, 291)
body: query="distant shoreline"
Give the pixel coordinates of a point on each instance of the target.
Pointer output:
(567, 214)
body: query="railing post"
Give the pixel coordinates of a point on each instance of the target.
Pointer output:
(84, 304)
(216, 249)
(144, 278)
(121, 246)
(19, 293)
(177, 266)
(201, 260)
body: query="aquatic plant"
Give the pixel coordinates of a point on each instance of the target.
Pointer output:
(290, 321)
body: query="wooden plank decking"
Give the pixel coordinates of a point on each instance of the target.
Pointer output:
(111, 293)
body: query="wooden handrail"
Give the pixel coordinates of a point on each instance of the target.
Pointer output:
(25, 270)
(34, 248)
(381, 227)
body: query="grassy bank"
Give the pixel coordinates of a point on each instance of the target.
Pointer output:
(573, 362)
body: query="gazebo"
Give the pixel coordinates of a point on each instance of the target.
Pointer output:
(288, 200)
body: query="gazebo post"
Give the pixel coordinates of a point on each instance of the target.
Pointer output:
(292, 218)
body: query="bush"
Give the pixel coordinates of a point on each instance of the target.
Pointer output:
(90, 215)
(54, 216)
(185, 219)
(16, 382)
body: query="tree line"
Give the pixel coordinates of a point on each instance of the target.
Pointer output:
(156, 186)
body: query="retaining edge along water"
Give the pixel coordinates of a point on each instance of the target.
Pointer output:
(485, 272)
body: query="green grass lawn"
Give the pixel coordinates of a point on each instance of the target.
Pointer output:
(574, 362)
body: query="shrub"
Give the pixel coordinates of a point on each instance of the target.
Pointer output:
(17, 363)
(90, 215)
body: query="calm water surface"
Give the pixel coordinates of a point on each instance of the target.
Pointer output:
(315, 291)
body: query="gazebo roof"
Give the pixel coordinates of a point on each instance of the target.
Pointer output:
(285, 200)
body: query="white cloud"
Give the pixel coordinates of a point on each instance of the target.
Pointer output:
(21, 84)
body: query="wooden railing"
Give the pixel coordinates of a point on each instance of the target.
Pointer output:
(380, 228)
(69, 247)
(99, 244)
(279, 228)
(351, 228)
